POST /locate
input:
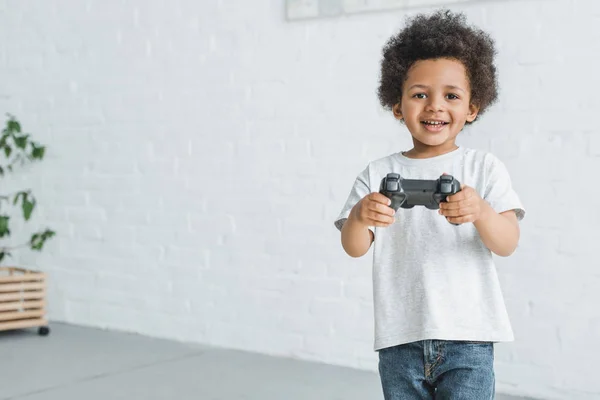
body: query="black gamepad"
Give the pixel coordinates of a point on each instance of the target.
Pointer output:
(407, 193)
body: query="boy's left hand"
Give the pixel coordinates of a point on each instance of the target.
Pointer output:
(464, 206)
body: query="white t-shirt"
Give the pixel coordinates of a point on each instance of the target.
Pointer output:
(432, 279)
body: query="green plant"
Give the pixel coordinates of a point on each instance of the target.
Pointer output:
(17, 148)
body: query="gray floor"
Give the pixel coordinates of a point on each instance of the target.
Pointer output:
(75, 363)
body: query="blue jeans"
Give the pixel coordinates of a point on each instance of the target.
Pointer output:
(438, 369)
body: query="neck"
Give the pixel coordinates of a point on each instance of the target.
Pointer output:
(421, 150)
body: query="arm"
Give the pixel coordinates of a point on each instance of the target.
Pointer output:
(371, 210)
(499, 231)
(356, 238)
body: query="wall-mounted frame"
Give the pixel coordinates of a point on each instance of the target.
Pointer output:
(304, 9)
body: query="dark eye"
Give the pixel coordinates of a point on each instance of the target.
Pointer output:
(420, 95)
(452, 96)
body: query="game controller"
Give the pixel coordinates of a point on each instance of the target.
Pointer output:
(407, 193)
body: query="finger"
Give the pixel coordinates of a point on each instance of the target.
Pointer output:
(462, 219)
(380, 208)
(380, 224)
(459, 212)
(455, 197)
(380, 198)
(465, 193)
(455, 205)
(376, 218)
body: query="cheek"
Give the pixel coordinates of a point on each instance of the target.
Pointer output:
(411, 110)
(459, 113)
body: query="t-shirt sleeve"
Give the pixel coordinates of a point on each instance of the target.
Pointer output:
(359, 190)
(499, 192)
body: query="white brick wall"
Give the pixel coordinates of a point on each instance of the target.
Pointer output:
(200, 150)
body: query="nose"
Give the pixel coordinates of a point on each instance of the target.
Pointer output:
(435, 104)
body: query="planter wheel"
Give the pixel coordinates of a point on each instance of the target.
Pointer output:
(43, 331)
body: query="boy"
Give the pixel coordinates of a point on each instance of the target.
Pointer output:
(438, 304)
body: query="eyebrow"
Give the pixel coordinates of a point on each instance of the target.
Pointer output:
(427, 87)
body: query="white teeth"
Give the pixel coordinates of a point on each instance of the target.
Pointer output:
(433, 122)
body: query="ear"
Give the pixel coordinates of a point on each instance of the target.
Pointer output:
(397, 111)
(473, 111)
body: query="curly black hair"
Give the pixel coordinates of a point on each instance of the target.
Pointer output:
(442, 34)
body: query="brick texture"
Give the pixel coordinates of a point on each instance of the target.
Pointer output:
(200, 150)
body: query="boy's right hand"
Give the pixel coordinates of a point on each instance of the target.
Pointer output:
(373, 210)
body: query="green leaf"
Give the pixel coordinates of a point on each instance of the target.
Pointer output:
(38, 152)
(13, 125)
(18, 148)
(21, 141)
(35, 240)
(4, 231)
(4, 254)
(38, 239)
(28, 207)
(20, 194)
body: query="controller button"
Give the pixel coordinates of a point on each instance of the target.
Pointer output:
(446, 188)
(392, 186)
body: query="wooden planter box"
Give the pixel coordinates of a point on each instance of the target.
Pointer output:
(23, 299)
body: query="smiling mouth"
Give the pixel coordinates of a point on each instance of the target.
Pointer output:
(434, 126)
(434, 123)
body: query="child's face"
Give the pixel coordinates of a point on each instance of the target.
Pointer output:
(436, 102)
